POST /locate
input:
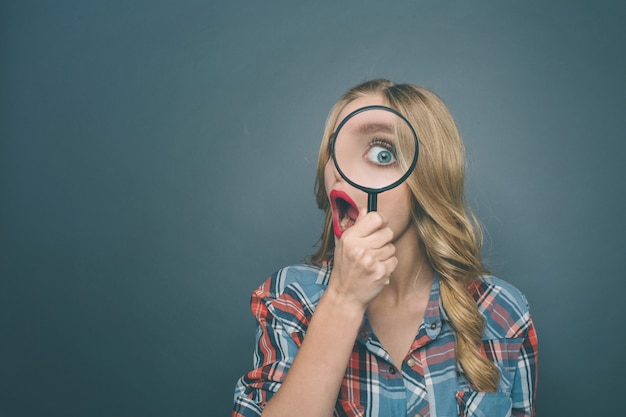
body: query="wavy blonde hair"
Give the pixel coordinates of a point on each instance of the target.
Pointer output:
(449, 232)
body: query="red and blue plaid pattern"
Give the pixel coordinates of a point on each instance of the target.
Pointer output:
(429, 381)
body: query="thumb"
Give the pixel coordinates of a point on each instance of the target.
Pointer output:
(362, 213)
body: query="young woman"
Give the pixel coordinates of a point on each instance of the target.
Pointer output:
(395, 314)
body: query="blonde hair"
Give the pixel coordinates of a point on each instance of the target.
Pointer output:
(449, 232)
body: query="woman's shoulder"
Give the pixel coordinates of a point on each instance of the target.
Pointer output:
(504, 307)
(291, 294)
(301, 283)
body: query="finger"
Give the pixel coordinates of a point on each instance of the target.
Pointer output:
(379, 255)
(390, 265)
(368, 223)
(385, 268)
(368, 261)
(385, 253)
(380, 238)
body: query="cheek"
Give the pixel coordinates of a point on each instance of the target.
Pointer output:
(329, 175)
(396, 204)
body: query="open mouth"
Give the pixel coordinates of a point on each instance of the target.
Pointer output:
(345, 211)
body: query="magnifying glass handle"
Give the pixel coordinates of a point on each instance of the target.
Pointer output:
(372, 202)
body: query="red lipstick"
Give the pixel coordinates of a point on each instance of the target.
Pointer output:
(345, 211)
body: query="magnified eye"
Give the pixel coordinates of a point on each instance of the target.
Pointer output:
(381, 153)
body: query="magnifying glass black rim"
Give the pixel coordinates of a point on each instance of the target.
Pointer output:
(397, 182)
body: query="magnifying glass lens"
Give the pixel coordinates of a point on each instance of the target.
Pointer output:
(375, 149)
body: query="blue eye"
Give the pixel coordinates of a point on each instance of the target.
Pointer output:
(379, 154)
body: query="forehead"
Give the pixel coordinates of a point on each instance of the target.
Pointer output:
(357, 104)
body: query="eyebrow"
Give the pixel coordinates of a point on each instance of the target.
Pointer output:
(371, 127)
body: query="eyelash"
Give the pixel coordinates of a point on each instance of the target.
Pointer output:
(384, 144)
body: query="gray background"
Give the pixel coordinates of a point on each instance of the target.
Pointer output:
(157, 162)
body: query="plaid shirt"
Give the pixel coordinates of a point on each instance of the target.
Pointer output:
(429, 382)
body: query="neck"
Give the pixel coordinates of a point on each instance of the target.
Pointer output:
(414, 275)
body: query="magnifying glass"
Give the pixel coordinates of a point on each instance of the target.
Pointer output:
(375, 149)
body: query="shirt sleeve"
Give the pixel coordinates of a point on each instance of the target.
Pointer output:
(525, 382)
(275, 349)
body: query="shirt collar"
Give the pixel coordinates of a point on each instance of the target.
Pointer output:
(434, 314)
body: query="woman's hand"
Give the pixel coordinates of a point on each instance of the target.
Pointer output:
(364, 260)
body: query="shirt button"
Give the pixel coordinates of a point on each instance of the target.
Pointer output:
(392, 370)
(410, 362)
(433, 326)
